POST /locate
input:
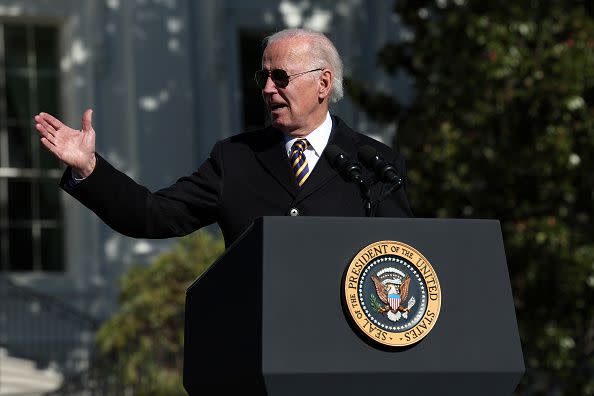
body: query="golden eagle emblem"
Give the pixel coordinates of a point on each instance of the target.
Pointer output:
(392, 288)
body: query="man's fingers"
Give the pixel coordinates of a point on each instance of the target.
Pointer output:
(45, 135)
(44, 123)
(87, 119)
(45, 132)
(49, 145)
(54, 122)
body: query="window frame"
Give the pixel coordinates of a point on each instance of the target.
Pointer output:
(33, 173)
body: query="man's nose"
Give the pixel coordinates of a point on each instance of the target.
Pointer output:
(270, 86)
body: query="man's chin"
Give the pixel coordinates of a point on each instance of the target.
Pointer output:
(278, 123)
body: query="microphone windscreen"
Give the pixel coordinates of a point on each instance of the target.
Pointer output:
(332, 151)
(366, 155)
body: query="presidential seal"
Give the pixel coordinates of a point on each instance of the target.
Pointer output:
(392, 293)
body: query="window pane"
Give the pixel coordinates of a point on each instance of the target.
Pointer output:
(49, 200)
(3, 256)
(3, 206)
(19, 147)
(19, 200)
(254, 111)
(46, 47)
(48, 95)
(15, 44)
(20, 247)
(51, 249)
(17, 98)
(46, 159)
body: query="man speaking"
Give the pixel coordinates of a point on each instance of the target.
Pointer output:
(276, 171)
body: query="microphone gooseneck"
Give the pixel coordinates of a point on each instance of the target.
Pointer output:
(351, 171)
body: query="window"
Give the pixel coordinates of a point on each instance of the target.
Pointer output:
(254, 111)
(31, 224)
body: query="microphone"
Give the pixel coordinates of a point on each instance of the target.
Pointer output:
(351, 170)
(346, 167)
(384, 171)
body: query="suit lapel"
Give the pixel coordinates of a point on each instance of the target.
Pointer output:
(323, 171)
(271, 154)
(320, 175)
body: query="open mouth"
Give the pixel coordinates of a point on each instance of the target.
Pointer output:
(276, 106)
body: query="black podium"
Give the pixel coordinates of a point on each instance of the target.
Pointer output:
(267, 317)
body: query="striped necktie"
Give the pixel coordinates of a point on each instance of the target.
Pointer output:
(299, 162)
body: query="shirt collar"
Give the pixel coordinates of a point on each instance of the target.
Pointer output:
(318, 138)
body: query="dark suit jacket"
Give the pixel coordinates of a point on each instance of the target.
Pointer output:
(245, 177)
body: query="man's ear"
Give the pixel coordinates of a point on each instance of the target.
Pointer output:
(325, 84)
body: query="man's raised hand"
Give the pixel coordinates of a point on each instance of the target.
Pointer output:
(73, 147)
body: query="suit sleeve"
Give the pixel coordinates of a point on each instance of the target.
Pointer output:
(133, 210)
(396, 204)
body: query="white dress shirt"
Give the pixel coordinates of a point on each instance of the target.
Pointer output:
(318, 139)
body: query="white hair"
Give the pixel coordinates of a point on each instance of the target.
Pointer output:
(323, 55)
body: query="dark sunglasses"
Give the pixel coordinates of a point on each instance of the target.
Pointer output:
(279, 77)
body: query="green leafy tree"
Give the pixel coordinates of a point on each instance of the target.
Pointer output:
(142, 344)
(502, 126)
